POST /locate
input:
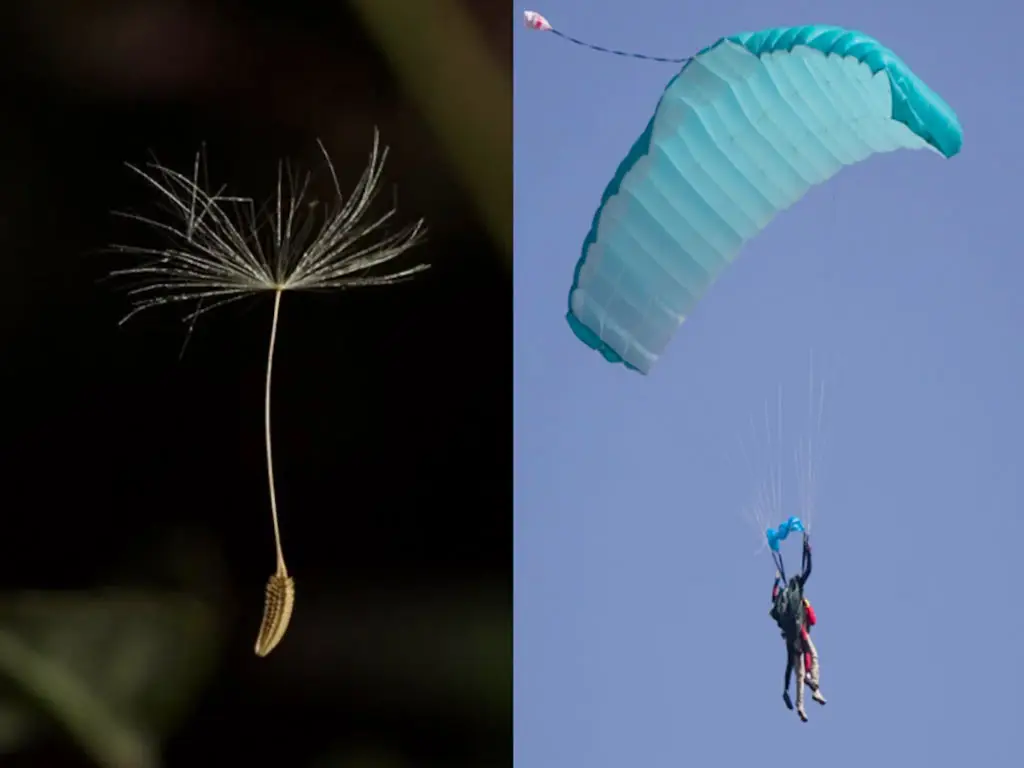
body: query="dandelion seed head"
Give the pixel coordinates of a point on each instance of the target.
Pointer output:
(223, 248)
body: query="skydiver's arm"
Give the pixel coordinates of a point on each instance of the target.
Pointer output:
(807, 564)
(775, 586)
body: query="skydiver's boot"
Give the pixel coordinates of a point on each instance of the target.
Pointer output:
(815, 689)
(803, 715)
(785, 682)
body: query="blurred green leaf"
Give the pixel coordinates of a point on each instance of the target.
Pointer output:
(114, 669)
(18, 726)
(450, 649)
(442, 61)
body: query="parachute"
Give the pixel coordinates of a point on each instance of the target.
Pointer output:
(534, 20)
(741, 133)
(775, 535)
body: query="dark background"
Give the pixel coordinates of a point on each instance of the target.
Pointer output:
(137, 535)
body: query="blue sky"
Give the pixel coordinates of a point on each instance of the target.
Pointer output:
(642, 634)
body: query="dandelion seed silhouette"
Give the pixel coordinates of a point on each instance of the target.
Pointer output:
(223, 249)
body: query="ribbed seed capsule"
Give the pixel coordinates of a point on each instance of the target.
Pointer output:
(277, 612)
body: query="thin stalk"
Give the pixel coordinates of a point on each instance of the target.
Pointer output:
(282, 570)
(279, 598)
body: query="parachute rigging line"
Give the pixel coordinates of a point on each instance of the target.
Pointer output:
(534, 20)
(776, 535)
(777, 557)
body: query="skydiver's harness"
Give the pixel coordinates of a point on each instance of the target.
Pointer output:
(788, 609)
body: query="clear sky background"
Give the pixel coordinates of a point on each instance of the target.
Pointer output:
(642, 631)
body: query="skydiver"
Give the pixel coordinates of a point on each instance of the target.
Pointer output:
(783, 613)
(790, 615)
(812, 672)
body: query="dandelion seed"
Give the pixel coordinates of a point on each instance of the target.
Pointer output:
(222, 249)
(277, 612)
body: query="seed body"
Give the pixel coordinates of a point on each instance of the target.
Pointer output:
(277, 612)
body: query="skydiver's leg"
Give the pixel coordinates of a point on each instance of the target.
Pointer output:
(789, 671)
(809, 653)
(814, 678)
(799, 688)
(806, 636)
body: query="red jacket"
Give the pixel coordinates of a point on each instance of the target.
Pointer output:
(811, 619)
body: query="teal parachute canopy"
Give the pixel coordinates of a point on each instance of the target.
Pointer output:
(740, 134)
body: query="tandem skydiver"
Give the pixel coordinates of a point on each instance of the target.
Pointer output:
(792, 612)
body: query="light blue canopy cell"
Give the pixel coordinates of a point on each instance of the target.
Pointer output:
(740, 134)
(776, 535)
